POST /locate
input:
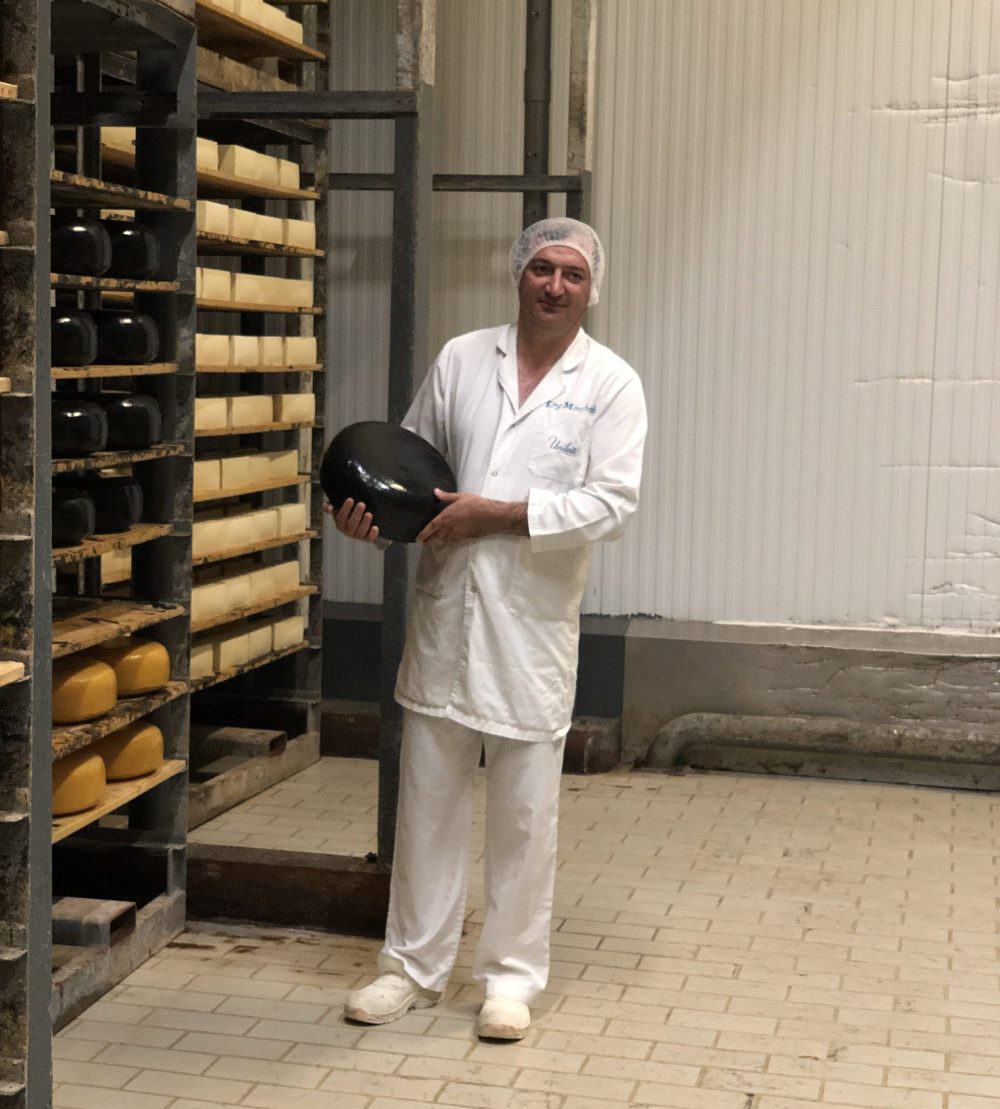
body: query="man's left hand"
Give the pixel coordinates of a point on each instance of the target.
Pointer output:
(467, 516)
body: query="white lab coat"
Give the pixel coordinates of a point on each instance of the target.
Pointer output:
(493, 631)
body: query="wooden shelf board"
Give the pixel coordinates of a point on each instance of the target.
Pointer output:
(116, 794)
(254, 664)
(107, 459)
(274, 601)
(70, 738)
(245, 490)
(305, 368)
(238, 38)
(252, 548)
(209, 242)
(100, 544)
(255, 429)
(79, 624)
(85, 373)
(91, 192)
(247, 306)
(11, 672)
(111, 284)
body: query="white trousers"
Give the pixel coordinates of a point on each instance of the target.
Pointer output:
(433, 838)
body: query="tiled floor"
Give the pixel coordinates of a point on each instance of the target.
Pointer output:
(721, 942)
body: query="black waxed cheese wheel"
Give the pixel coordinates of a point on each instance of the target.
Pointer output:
(393, 471)
(74, 517)
(135, 251)
(74, 337)
(134, 421)
(125, 337)
(79, 426)
(79, 246)
(117, 501)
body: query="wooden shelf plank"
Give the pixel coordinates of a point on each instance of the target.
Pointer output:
(306, 368)
(211, 243)
(274, 601)
(91, 192)
(248, 306)
(66, 740)
(106, 459)
(111, 284)
(79, 624)
(246, 490)
(11, 672)
(254, 664)
(101, 544)
(116, 794)
(238, 38)
(253, 548)
(255, 429)
(86, 373)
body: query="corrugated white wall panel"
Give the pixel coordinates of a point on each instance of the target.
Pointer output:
(800, 202)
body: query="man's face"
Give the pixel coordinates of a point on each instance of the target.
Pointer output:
(555, 288)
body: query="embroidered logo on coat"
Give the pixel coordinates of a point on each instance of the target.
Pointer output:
(563, 448)
(569, 406)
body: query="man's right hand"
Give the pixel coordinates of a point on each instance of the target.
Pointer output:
(352, 520)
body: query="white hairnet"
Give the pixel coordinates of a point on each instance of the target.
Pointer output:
(561, 231)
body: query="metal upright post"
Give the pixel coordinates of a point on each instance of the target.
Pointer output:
(537, 99)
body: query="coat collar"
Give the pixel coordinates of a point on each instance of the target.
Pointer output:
(552, 384)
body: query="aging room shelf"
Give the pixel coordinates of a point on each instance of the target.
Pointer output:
(87, 373)
(211, 243)
(250, 306)
(246, 490)
(255, 429)
(306, 368)
(81, 623)
(72, 738)
(275, 601)
(238, 38)
(116, 794)
(234, 671)
(101, 544)
(112, 284)
(253, 548)
(104, 460)
(91, 192)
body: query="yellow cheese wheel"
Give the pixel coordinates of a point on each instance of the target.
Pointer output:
(77, 783)
(140, 665)
(82, 688)
(131, 752)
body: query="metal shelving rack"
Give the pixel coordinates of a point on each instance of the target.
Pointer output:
(25, 572)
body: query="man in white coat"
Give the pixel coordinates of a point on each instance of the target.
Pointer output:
(544, 430)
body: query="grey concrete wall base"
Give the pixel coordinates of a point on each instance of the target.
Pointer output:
(593, 746)
(913, 753)
(209, 799)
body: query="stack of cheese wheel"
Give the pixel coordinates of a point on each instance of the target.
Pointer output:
(139, 665)
(83, 688)
(78, 782)
(132, 752)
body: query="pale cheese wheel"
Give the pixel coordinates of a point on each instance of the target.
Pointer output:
(260, 638)
(231, 650)
(207, 475)
(242, 224)
(118, 138)
(271, 350)
(208, 601)
(240, 161)
(216, 284)
(244, 350)
(288, 632)
(291, 518)
(212, 217)
(132, 752)
(249, 288)
(78, 782)
(140, 665)
(286, 576)
(300, 350)
(210, 413)
(299, 232)
(82, 688)
(263, 525)
(244, 469)
(281, 464)
(206, 154)
(238, 592)
(202, 661)
(294, 408)
(288, 172)
(211, 350)
(116, 566)
(261, 583)
(246, 410)
(269, 229)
